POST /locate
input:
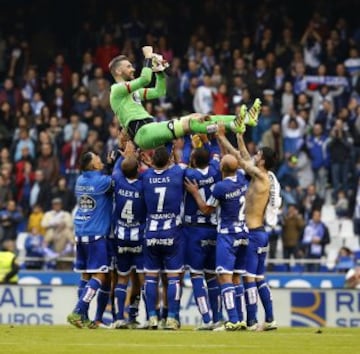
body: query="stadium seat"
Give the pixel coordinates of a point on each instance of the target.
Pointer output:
(280, 268)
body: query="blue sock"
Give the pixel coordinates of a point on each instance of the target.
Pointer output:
(215, 299)
(173, 296)
(87, 295)
(81, 286)
(251, 302)
(134, 307)
(151, 290)
(120, 297)
(201, 297)
(239, 296)
(102, 301)
(228, 295)
(266, 299)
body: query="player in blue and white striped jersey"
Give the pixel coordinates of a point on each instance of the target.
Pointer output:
(163, 190)
(200, 238)
(92, 223)
(228, 199)
(129, 226)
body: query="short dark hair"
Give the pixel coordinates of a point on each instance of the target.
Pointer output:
(115, 62)
(201, 157)
(85, 161)
(269, 156)
(129, 167)
(161, 157)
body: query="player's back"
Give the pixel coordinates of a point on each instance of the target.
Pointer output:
(130, 210)
(163, 191)
(231, 195)
(205, 179)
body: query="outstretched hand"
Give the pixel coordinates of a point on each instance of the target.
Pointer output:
(129, 149)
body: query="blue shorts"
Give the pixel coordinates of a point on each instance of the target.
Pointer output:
(92, 257)
(129, 256)
(231, 253)
(200, 248)
(164, 251)
(256, 252)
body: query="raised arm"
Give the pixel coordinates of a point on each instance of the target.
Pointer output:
(158, 91)
(225, 143)
(242, 147)
(244, 163)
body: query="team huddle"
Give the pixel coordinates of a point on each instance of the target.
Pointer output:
(157, 217)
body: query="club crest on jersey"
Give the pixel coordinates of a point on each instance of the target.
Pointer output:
(86, 203)
(136, 97)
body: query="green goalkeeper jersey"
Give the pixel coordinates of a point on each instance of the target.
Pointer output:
(126, 97)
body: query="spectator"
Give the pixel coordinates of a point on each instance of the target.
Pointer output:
(311, 201)
(314, 239)
(11, 94)
(340, 152)
(10, 218)
(71, 152)
(203, 98)
(292, 229)
(273, 138)
(63, 191)
(36, 248)
(5, 192)
(49, 163)
(75, 124)
(59, 235)
(345, 260)
(317, 143)
(293, 128)
(8, 264)
(35, 218)
(342, 205)
(61, 71)
(40, 191)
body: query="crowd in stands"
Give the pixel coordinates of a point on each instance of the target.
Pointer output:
(54, 104)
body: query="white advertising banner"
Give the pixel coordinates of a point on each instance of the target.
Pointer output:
(292, 307)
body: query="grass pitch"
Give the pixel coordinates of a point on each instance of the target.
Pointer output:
(67, 339)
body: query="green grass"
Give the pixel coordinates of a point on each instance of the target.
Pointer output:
(66, 339)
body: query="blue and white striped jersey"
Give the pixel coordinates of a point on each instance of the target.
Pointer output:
(228, 197)
(163, 191)
(129, 210)
(205, 179)
(94, 205)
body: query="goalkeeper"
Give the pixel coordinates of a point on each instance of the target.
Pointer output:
(127, 93)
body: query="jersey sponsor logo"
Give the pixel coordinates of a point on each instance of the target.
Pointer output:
(159, 242)
(136, 250)
(136, 97)
(308, 309)
(205, 243)
(87, 203)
